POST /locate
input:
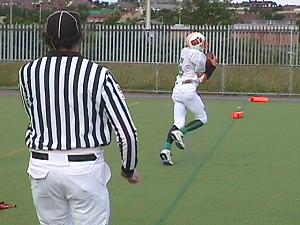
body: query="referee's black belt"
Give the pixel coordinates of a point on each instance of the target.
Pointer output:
(71, 158)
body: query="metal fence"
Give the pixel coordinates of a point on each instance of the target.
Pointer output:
(234, 45)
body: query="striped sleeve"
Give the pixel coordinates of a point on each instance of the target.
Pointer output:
(24, 80)
(22, 90)
(120, 118)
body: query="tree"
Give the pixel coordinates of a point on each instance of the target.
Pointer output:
(113, 18)
(211, 12)
(169, 17)
(278, 17)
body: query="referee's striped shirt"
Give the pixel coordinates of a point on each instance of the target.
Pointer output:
(72, 103)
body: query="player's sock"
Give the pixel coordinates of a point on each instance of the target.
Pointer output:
(167, 145)
(191, 126)
(169, 140)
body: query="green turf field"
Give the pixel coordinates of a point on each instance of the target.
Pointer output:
(233, 172)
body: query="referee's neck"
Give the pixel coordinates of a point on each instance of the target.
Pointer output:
(65, 51)
(62, 49)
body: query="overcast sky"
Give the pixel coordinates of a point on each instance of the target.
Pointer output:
(279, 2)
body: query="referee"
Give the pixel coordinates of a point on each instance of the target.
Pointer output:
(73, 104)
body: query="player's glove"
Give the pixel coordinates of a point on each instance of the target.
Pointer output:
(211, 64)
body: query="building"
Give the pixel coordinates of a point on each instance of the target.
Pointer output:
(271, 35)
(99, 15)
(105, 1)
(290, 14)
(258, 4)
(130, 15)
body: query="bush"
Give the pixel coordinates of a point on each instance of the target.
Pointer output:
(161, 77)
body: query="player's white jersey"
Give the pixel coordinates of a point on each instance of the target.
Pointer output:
(192, 61)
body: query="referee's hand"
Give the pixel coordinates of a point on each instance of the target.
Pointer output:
(136, 178)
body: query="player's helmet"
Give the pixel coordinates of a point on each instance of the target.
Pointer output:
(196, 40)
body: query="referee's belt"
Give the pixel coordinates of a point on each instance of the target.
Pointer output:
(71, 158)
(189, 81)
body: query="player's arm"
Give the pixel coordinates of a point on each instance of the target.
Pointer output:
(210, 63)
(202, 77)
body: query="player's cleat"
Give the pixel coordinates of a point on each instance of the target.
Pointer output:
(177, 136)
(165, 156)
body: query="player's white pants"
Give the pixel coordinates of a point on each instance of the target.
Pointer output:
(69, 193)
(186, 98)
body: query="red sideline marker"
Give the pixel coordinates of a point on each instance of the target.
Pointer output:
(237, 115)
(259, 99)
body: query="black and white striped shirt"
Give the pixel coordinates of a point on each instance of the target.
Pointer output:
(74, 103)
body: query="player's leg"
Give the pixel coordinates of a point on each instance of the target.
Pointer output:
(192, 125)
(192, 102)
(165, 154)
(180, 111)
(179, 120)
(196, 106)
(169, 140)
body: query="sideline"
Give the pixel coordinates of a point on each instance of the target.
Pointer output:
(133, 104)
(16, 151)
(167, 95)
(185, 187)
(9, 92)
(20, 149)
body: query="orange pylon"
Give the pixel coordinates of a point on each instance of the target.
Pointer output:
(237, 115)
(259, 99)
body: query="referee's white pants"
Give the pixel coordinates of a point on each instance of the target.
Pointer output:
(186, 99)
(70, 193)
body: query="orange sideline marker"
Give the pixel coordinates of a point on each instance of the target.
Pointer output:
(259, 99)
(237, 115)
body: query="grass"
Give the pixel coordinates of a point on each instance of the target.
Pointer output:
(9, 73)
(161, 77)
(234, 172)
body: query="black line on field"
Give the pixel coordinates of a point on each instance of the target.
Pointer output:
(165, 215)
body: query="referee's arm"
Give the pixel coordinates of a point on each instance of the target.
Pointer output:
(121, 120)
(22, 90)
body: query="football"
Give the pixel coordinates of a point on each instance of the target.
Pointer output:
(210, 55)
(212, 58)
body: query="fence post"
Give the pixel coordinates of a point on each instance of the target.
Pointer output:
(291, 59)
(157, 78)
(11, 26)
(223, 78)
(291, 56)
